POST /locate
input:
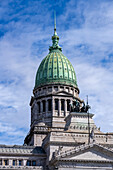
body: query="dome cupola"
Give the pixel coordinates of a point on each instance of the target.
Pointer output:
(55, 68)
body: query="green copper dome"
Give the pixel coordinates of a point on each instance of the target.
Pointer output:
(55, 68)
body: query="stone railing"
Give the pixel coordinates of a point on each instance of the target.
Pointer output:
(20, 167)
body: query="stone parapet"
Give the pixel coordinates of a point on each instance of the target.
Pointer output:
(21, 167)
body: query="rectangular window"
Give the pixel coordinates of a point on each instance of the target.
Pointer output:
(38, 107)
(62, 104)
(0, 161)
(61, 88)
(56, 88)
(14, 162)
(56, 104)
(49, 105)
(33, 163)
(5, 162)
(44, 90)
(28, 163)
(67, 89)
(20, 162)
(50, 89)
(68, 105)
(44, 108)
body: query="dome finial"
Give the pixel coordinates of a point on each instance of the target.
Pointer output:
(55, 33)
(55, 37)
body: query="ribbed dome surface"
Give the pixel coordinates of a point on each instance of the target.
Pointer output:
(55, 68)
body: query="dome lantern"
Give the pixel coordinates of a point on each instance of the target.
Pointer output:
(55, 38)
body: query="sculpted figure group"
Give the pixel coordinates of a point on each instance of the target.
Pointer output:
(75, 107)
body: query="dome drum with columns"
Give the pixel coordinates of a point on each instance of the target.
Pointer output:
(55, 87)
(56, 96)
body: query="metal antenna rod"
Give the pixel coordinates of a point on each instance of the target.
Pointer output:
(55, 33)
(88, 124)
(55, 20)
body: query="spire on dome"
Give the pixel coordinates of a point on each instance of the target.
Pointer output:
(55, 38)
(55, 33)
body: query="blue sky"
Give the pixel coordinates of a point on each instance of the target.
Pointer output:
(85, 28)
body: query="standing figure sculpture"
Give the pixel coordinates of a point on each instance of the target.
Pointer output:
(77, 106)
(71, 106)
(85, 108)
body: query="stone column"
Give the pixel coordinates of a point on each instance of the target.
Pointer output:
(52, 89)
(53, 105)
(65, 107)
(2, 161)
(46, 105)
(17, 162)
(74, 92)
(71, 104)
(35, 111)
(59, 107)
(41, 106)
(10, 162)
(58, 88)
(46, 109)
(24, 162)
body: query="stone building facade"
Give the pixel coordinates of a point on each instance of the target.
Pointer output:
(62, 134)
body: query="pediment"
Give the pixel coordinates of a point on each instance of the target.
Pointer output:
(63, 93)
(92, 152)
(91, 155)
